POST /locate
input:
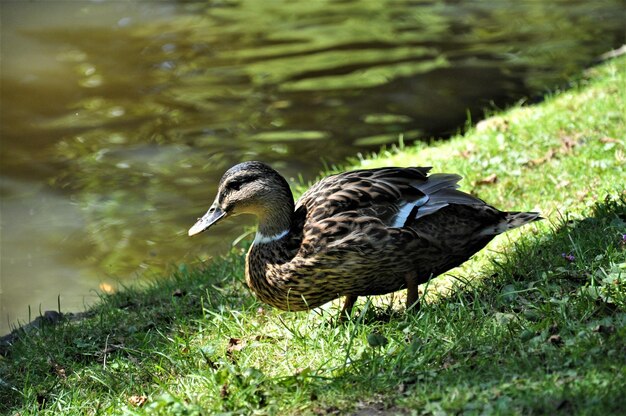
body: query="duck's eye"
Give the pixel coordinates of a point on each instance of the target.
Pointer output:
(235, 185)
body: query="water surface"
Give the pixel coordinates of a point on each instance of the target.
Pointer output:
(118, 118)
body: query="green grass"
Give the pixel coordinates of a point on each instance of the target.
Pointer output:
(520, 329)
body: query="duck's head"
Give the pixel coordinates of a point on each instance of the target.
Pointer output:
(250, 188)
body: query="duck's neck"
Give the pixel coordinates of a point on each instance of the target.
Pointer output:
(275, 220)
(270, 252)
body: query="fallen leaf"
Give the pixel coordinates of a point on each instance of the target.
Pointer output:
(563, 184)
(568, 143)
(448, 362)
(264, 338)
(137, 400)
(608, 140)
(582, 195)
(467, 152)
(224, 391)
(555, 339)
(58, 370)
(541, 160)
(235, 344)
(493, 178)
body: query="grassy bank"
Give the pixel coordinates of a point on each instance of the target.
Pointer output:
(536, 323)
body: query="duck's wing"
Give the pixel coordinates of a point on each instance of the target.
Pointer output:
(394, 196)
(378, 193)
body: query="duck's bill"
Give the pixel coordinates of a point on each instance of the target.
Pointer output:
(213, 215)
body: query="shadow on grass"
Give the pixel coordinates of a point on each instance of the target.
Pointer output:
(547, 335)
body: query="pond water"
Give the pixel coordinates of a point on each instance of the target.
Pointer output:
(119, 117)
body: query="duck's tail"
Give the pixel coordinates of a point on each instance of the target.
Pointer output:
(511, 220)
(517, 219)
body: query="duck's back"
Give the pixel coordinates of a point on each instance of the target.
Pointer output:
(394, 220)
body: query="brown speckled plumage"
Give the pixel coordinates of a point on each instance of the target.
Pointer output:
(365, 232)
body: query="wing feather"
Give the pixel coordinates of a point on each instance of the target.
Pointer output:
(394, 196)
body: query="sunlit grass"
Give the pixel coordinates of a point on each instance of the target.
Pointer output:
(536, 323)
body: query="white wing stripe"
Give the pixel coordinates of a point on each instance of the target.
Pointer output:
(406, 209)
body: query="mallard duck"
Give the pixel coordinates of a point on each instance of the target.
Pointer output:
(359, 233)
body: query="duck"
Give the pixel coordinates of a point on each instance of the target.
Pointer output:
(358, 233)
